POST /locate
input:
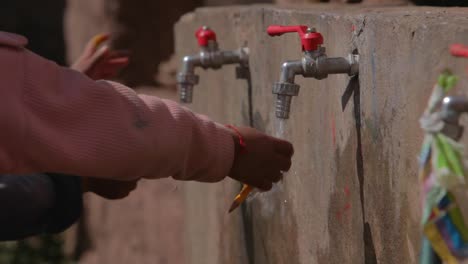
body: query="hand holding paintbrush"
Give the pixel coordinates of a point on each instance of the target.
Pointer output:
(259, 160)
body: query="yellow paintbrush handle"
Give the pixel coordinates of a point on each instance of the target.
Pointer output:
(241, 197)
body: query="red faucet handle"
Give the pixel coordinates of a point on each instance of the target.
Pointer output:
(278, 30)
(204, 35)
(459, 50)
(310, 39)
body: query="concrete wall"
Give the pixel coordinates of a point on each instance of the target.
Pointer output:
(351, 195)
(233, 2)
(143, 27)
(368, 2)
(225, 99)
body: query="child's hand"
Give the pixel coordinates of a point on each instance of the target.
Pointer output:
(263, 161)
(109, 189)
(101, 63)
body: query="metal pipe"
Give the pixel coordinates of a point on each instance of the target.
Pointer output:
(458, 104)
(334, 65)
(314, 64)
(234, 56)
(286, 88)
(189, 63)
(283, 106)
(452, 108)
(289, 70)
(208, 58)
(187, 78)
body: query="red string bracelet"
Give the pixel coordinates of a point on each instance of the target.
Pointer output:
(242, 144)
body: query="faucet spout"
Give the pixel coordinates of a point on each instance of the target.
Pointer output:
(452, 108)
(209, 57)
(187, 78)
(286, 88)
(454, 105)
(314, 64)
(289, 70)
(190, 62)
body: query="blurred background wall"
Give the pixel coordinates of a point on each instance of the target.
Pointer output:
(136, 25)
(145, 27)
(147, 227)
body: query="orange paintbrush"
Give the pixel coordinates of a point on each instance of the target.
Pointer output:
(240, 198)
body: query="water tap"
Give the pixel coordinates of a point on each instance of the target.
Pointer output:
(209, 57)
(314, 63)
(452, 108)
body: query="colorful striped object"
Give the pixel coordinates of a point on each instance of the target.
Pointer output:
(441, 170)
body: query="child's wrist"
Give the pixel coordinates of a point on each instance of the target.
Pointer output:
(239, 142)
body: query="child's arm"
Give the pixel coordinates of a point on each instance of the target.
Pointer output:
(49, 202)
(56, 119)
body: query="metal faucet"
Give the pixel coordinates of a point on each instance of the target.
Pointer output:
(209, 57)
(314, 63)
(452, 108)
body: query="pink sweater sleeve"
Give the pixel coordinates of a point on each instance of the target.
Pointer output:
(57, 120)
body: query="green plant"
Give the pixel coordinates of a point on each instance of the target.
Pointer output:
(44, 249)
